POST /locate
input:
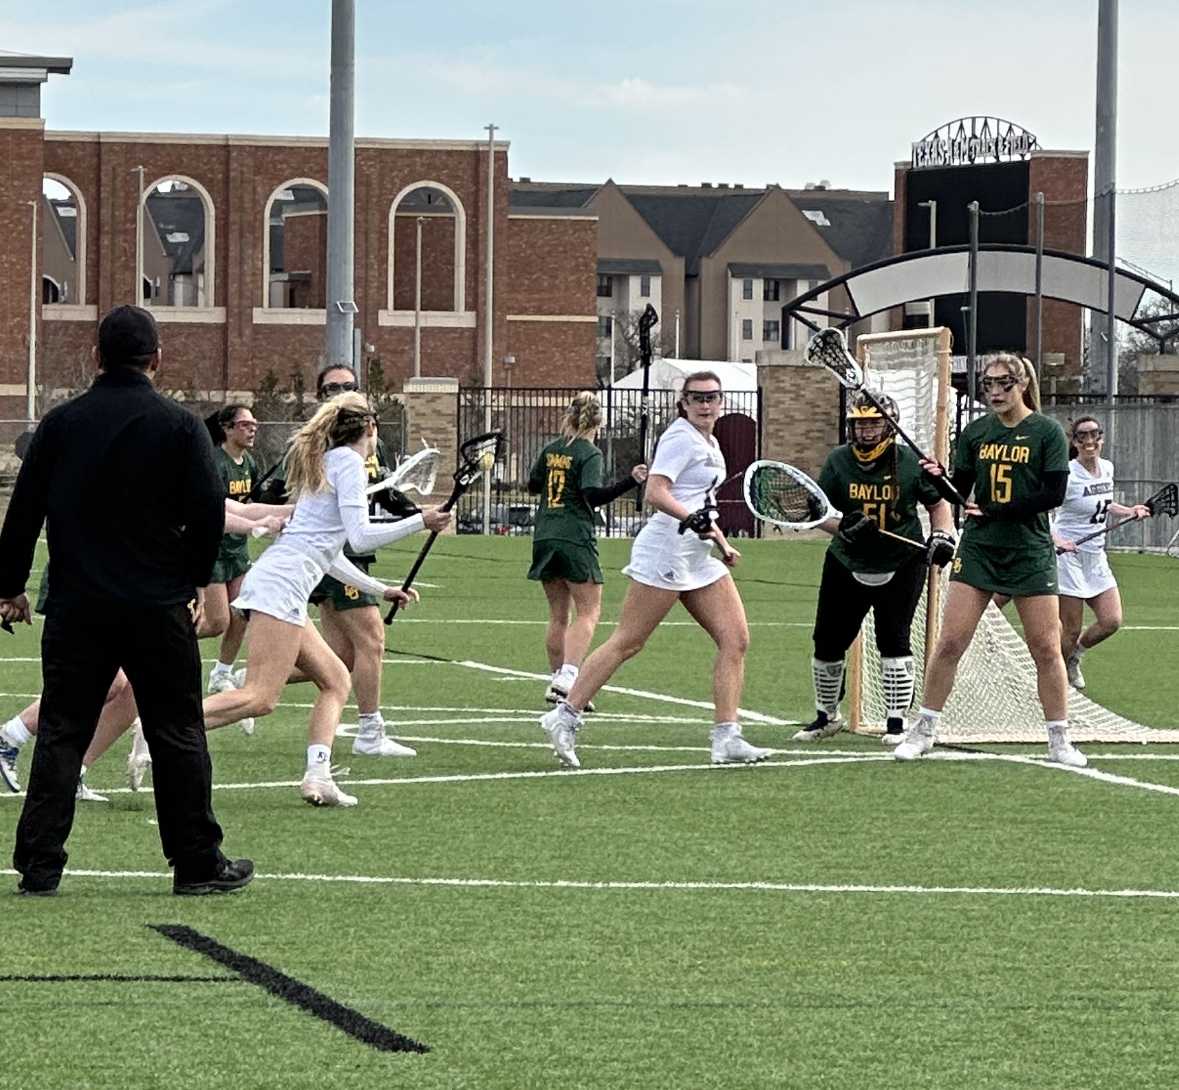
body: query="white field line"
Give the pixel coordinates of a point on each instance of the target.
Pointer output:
(1091, 774)
(665, 887)
(745, 713)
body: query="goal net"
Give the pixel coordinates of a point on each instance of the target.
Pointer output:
(994, 697)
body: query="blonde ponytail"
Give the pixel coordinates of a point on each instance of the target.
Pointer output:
(336, 423)
(583, 417)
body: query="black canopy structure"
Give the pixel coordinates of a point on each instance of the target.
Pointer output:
(927, 274)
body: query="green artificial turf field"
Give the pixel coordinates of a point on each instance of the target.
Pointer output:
(827, 919)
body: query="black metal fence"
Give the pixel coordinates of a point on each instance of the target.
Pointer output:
(531, 417)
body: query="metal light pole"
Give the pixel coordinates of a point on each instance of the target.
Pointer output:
(932, 206)
(417, 304)
(972, 326)
(1105, 172)
(34, 299)
(341, 183)
(489, 315)
(1039, 202)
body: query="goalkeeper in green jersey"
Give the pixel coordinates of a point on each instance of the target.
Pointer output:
(568, 477)
(1016, 461)
(878, 485)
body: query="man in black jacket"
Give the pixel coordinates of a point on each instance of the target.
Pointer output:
(125, 482)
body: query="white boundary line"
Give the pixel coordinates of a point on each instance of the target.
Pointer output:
(666, 887)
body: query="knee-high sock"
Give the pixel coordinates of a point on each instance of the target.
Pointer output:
(897, 678)
(828, 678)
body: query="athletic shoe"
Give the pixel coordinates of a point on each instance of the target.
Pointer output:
(729, 748)
(1062, 752)
(918, 740)
(239, 677)
(222, 682)
(247, 726)
(8, 756)
(87, 794)
(554, 695)
(139, 759)
(379, 744)
(822, 727)
(563, 735)
(319, 789)
(894, 732)
(1072, 665)
(229, 877)
(26, 889)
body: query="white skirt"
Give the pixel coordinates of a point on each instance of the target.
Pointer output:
(1084, 575)
(663, 558)
(279, 585)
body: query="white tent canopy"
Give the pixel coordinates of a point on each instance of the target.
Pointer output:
(668, 374)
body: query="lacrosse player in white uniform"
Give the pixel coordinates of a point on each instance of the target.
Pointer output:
(326, 477)
(1083, 572)
(671, 561)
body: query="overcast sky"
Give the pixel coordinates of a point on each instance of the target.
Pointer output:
(655, 92)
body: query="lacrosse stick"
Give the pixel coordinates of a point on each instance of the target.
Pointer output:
(476, 456)
(784, 496)
(827, 347)
(413, 474)
(1164, 502)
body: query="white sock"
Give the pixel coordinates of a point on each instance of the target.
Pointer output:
(319, 757)
(567, 712)
(1077, 651)
(1058, 724)
(371, 722)
(569, 670)
(221, 668)
(725, 730)
(82, 774)
(16, 732)
(929, 713)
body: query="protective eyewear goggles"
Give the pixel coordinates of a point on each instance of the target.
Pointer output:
(330, 389)
(704, 397)
(1006, 383)
(1088, 433)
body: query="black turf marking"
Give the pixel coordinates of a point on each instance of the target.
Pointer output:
(294, 991)
(115, 978)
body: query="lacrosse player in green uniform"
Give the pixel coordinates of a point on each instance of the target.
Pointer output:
(234, 433)
(568, 477)
(1016, 460)
(877, 484)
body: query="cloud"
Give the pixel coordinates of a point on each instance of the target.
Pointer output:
(634, 92)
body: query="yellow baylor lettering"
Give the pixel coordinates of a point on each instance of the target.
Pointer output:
(239, 488)
(1004, 452)
(558, 461)
(878, 493)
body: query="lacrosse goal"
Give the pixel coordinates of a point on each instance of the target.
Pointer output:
(994, 697)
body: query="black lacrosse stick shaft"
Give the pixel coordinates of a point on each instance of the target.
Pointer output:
(647, 321)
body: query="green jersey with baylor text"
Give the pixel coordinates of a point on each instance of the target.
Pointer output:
(238, 479)
(561, 472)
(887, 492)
(1009, 464)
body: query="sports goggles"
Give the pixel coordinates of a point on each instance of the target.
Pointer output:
(999, 382)
(1088, 433)
(704, 397)
(330, 389)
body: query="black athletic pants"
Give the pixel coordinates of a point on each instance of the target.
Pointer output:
(844, 603)
(81, 650)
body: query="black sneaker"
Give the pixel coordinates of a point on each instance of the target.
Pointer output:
(230, 876)
(35, 889)
(823, 727)
(894, 731)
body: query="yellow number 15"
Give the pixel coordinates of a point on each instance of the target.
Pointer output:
(1000, 482)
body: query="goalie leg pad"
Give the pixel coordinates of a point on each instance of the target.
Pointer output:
(828, 679)
(897, 679)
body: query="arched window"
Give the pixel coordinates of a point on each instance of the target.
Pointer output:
(294, 246)
(443, 222)
(63, 241)
(176, 236)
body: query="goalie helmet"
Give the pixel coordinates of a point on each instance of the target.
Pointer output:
(860, 408)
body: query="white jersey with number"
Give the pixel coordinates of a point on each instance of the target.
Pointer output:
(661, 556)
(1086, 504)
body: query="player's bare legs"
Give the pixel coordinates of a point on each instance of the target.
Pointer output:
(963, 610)
(215, 620)
(1107, 609)
(560, 600)
(718, 609)
(1041, 629)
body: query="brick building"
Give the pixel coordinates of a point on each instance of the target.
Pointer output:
(224, 237)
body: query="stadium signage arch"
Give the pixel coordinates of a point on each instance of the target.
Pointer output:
(972, 140)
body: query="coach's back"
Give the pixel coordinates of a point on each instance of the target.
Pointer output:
(125, 482)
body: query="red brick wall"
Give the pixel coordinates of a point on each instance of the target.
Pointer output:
(304, 249)
(20, 182)
(552, 266)
(552, 354)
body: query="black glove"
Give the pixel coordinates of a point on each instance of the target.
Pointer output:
(398, 504)
(700, 522)
(273, 490)
(940, 548)
(855, 529)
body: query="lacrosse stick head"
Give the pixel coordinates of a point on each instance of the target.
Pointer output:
(829, 349)
(416, 473)
(779, 493)
(1165, 501)
(477, 455)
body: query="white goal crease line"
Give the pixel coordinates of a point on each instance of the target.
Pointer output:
(620, 886)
